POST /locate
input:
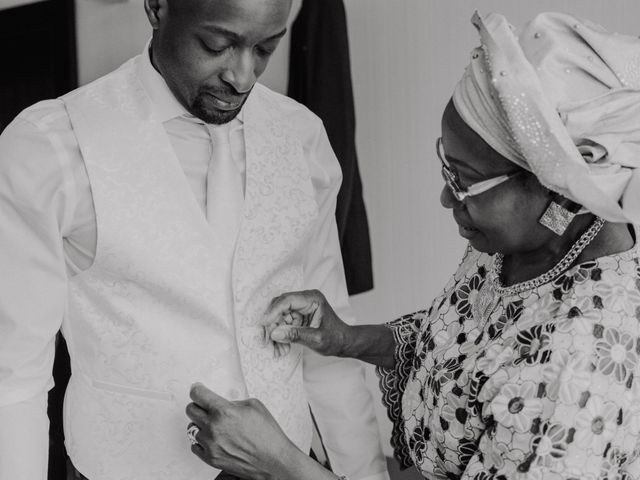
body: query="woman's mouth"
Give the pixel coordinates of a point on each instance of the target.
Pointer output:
(467, 232)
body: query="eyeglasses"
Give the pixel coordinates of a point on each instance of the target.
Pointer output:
(450, 176)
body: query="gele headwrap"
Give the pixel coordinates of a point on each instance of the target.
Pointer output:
(562, 100)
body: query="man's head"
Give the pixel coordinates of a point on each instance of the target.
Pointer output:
(211, 52)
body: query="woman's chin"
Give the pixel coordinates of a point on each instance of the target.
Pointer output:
(477, 240)
(468, 233)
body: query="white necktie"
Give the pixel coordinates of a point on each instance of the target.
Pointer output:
(224, 188)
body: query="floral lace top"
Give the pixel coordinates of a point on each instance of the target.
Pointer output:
(546, 389)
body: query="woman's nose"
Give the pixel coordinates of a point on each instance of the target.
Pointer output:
(447, 200)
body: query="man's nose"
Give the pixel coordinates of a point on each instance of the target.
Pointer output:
(241, 73)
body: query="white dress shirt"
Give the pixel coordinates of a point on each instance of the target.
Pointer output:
(48, 234)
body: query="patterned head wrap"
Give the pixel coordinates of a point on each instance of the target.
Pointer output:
(562, 100)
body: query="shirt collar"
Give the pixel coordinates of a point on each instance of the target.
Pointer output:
(165, 104)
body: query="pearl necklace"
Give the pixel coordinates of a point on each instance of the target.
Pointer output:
(492, 289)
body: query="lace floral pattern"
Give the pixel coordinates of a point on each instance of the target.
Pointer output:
(545, 389)
(393, 382)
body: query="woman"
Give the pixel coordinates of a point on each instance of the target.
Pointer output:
(526, 365)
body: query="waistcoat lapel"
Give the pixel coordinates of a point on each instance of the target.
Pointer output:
(280, 211)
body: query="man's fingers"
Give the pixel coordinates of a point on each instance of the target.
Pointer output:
(207, 399)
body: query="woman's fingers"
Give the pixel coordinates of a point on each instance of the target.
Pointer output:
(206, 399)
(297, 307)
(305, 318)
(225, 433)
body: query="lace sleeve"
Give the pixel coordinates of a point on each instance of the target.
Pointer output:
(393, 380)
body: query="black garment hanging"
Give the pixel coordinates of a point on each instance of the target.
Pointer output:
(320, 78)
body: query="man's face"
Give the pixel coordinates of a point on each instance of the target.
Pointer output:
(211, 52)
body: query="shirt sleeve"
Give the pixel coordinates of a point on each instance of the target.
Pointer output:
(339, 398)
(393, 381)
(33, 209)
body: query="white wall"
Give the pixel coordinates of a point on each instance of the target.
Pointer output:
(108, 33)
(406, 57)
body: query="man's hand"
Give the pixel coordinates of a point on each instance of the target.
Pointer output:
(306, 318)
(241, 438)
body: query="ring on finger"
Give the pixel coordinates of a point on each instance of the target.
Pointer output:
(192, 431)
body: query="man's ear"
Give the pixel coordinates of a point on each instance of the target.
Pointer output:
(156, 10)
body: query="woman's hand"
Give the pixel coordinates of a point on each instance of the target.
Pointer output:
(307, 318)
(241, 438)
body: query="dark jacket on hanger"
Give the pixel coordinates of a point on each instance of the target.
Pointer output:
(320, 78)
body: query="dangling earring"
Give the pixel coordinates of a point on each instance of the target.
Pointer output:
(559, 214)
(558, 217)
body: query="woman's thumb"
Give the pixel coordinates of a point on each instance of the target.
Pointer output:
(290, 334)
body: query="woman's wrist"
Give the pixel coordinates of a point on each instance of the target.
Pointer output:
(348, 347)
(370, 343)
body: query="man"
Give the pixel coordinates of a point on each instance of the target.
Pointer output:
(152, 215)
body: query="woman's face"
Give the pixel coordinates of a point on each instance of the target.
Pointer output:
(503, 219)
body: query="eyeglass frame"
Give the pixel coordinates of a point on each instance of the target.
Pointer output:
(450, 177)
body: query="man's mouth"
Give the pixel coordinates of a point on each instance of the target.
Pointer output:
(225, 103)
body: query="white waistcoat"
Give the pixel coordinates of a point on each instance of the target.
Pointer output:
(146, 320)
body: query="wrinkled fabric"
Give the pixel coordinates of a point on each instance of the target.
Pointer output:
(561, 98)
